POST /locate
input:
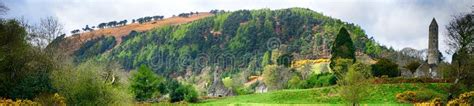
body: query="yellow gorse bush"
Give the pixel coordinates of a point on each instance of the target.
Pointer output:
(300, 63)
(463, 99)
(19, 102)
(57, 100)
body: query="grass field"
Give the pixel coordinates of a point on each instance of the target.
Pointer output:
(380, 94)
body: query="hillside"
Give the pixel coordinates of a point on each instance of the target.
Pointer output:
(230, 44)
(75, 41)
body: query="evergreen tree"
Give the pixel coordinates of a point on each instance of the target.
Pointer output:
(343, 47)
(145, 83)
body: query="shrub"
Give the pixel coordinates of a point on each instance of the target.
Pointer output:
(87, 84)
(184, 92)
(50, 99)
(191, 94)
(273, 76)
(466, 99)
(417, 96)
(294, 82)
(385, 67)
(362, 68)
(145, 84)
(320, 80)
(228, 83)
(18, 102)
(341, 66)
(353, 87)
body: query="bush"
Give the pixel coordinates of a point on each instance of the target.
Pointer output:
(273, 76)
(87, 84)
(353, 87)
(417, 96)
(228, 83)
(341, 66)
(294, 82)
(320, 80)
(145, 84)
(184, 92)
(466, 99)
(385, 67)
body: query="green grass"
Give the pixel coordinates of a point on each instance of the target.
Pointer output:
(380, 94)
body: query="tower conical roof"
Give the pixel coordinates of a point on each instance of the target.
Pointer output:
(433, 23)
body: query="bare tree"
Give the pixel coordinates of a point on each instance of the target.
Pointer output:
(45, 32)
(460, 39)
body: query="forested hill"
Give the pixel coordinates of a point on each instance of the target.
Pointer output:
(232, 42)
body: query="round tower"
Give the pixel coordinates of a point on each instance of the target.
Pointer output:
(433, 55)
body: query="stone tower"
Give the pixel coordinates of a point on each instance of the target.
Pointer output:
(430, 68)
(433, 53)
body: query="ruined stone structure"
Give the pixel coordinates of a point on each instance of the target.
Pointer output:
(217, 88)
(430, 68)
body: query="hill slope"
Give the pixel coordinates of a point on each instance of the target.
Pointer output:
(74, 42)
(228, 43)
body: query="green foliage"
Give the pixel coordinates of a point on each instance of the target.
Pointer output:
(228, 83)
(341, 66)
(94, 47)
(145, 84)
(385, 67)
(243, 34)
(320, 80)
(343, 47)
(285, 60)
(362, 68)
(24, 70)
(412, 66)
(267, 58)
(295, 82)
(88, 84)
(273, 76)
(183, 92)
(354, 86)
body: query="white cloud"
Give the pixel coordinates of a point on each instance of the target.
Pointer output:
(393, 23)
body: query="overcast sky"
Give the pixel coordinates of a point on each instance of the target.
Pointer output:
(398, 24)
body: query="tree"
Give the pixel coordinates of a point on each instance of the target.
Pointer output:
(460, 39)
(341, 66)
(385, 67)
(91, 83)
(273, 75)
(144, 83)
(343, 47)
(179, 92)
(44, 33)
(24, 70)
(353, 87)
(266, 58)
(285, 60)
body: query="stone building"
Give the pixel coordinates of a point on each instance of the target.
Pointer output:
(430, 67)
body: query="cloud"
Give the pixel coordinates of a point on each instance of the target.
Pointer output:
(397, 24)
